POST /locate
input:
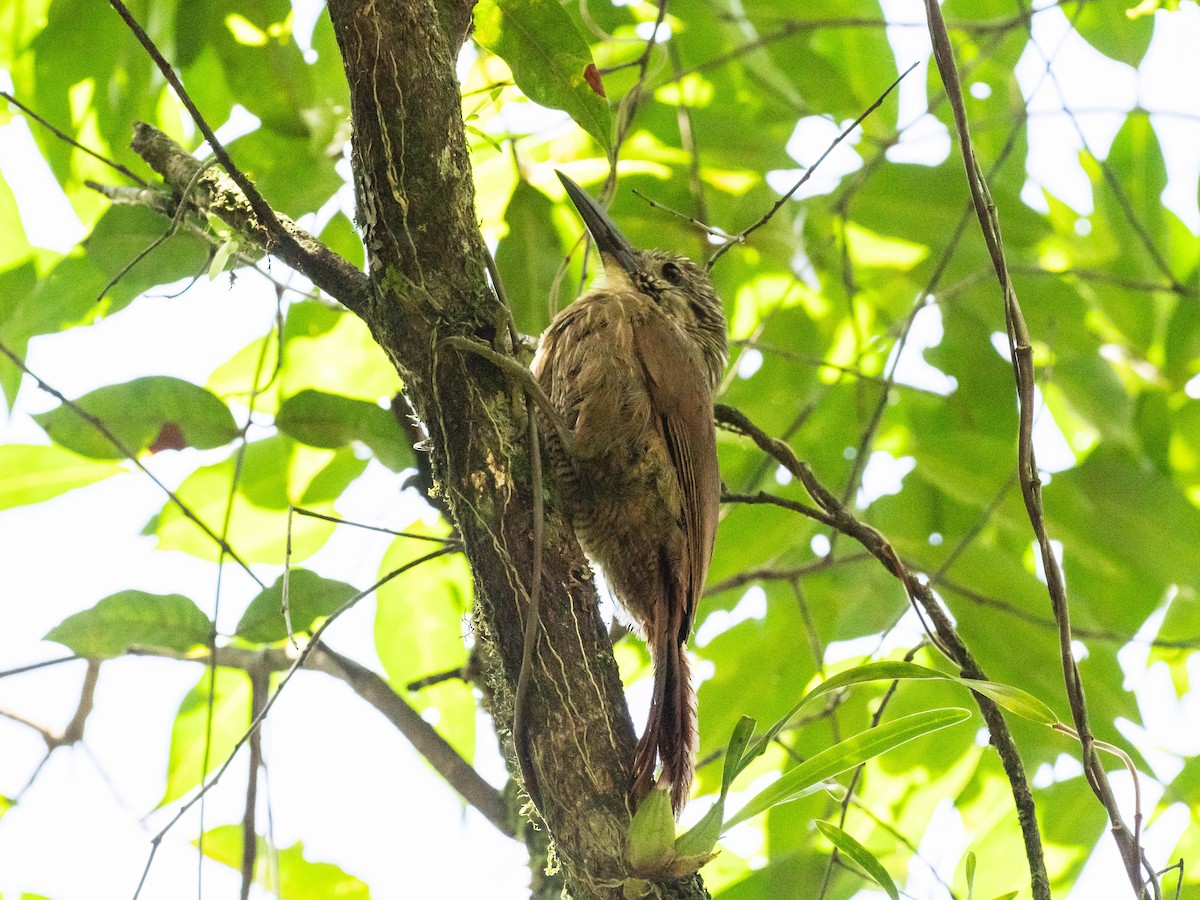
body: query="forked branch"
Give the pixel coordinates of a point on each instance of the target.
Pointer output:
(832, 512)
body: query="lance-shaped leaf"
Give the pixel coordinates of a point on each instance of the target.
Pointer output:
(865, 859)
(847, 754)
(1015, 700)
(550, 60)
(699, 840)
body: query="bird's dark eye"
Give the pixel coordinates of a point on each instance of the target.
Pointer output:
(672, 273)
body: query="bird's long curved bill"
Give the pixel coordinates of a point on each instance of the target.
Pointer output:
(609, 240)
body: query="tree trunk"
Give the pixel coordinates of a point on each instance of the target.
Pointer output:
(415, 206)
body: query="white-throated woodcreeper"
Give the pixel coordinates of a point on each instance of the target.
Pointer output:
(631, 367)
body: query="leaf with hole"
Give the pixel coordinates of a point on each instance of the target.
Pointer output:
(136, 413)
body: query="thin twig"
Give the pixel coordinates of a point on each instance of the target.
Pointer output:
(740, 237)
(72, 733)
(769, 573)
(521, 736)
(239, 461)
(459, 773)
(372, 688)
(128, 453)
(1094, 634)
(856, 776)
(176, 219)
(939, 627)
(262, 210)
(31, 667)
(520, 725)
(710, 230)
(416, 536)
(66, 138)
(458, 673)
(260, 689)
(300, 660)
(1020, 348)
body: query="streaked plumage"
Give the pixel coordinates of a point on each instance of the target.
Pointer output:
(631, 366)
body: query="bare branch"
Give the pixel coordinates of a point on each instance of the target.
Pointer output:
(445, 759)
(300, 660)
(277, 235)
(1022, 360)
(225, 197)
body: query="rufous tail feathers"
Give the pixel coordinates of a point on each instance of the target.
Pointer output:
(670, 734)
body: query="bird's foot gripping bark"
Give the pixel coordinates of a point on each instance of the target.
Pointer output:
(524, 378)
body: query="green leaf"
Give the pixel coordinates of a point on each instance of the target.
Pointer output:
(310, 597)
(275, 473)
(261, 62)
(702, 837)
(32, 473)
(846, 755)
(298, 878)
(733, 752)
(122, 234)
(419, 629)
(313, 335)
(1107, 28)
(329, 420)
(1183, 342)
(340, 236)
(272, 159)
(63, 55)
(1013, 699)
(230, 720)
(21, 318)
(134, 620)
(19, 22)
(528, 257)
(865, 859)
(152, 413)
(549, 59)
(15, 247)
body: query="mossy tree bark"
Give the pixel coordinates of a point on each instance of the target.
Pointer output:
(429, 281)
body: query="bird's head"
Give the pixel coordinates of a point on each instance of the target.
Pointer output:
(678, 286)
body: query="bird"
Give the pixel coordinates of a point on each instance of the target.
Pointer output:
(631, 367)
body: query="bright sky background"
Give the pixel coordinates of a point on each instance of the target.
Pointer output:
(340, 777)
